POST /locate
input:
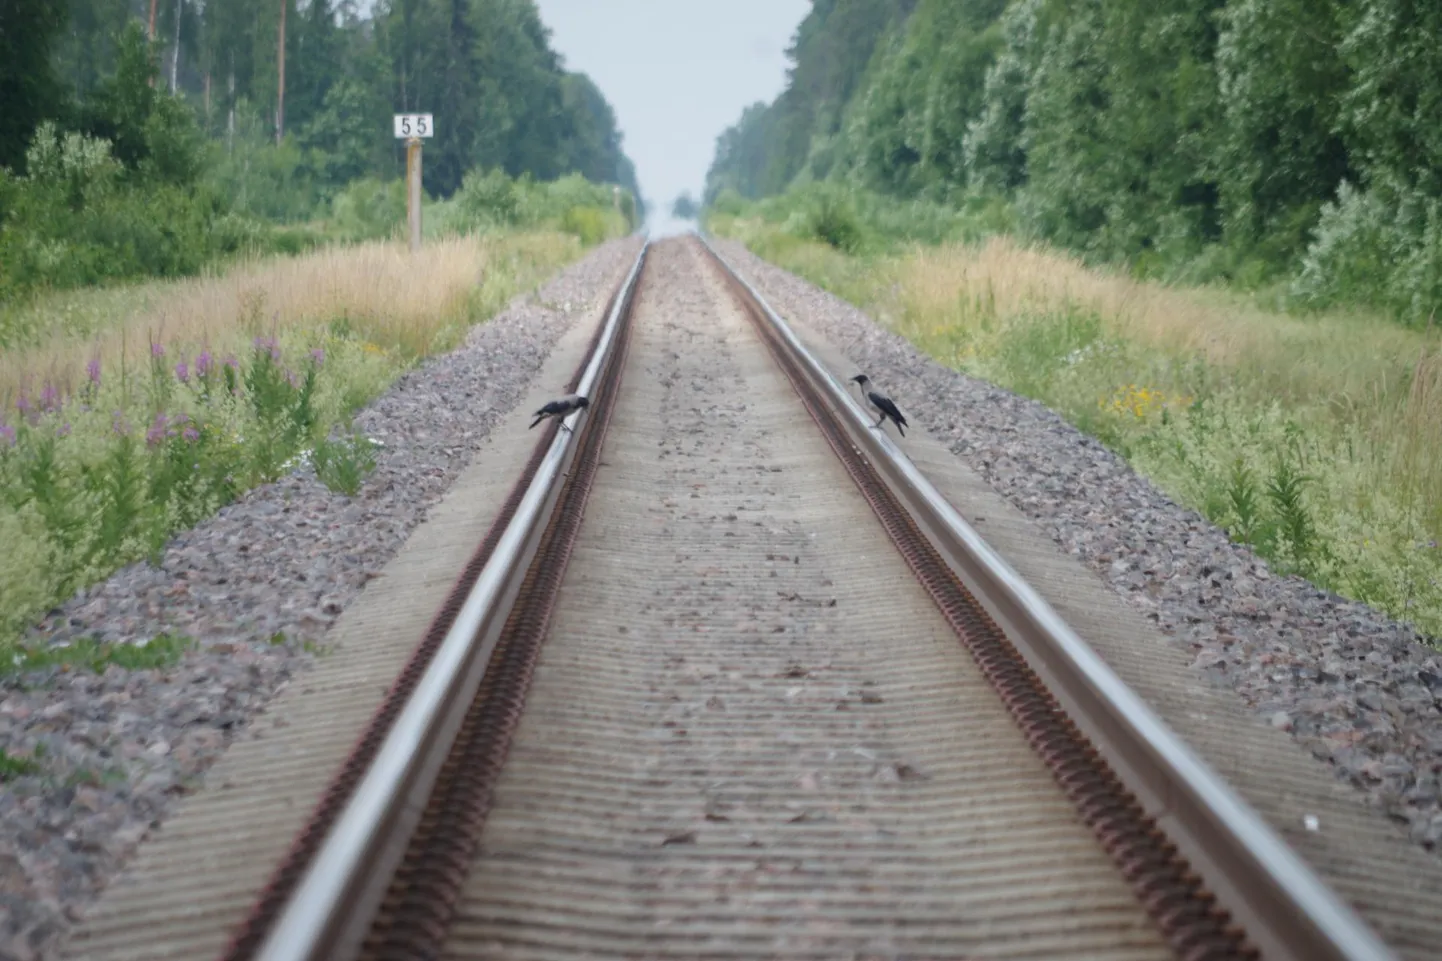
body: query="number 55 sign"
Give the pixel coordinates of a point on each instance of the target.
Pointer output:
(414, 125)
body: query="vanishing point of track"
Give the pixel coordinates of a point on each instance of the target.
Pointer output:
(728, 677)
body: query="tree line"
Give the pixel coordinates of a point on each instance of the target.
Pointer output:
(322, 78)
(1295, 143)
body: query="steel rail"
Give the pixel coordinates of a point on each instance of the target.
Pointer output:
(1287, 910)
(346, 879)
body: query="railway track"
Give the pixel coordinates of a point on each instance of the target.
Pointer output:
(728, 677)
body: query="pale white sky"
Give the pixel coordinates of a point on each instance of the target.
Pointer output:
(677, 73)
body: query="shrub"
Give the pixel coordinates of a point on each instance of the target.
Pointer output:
(343, 464)
(368, 209)
(587, 223)
(1379, 246)
(488, 199)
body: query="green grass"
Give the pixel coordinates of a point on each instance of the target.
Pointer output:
(135, 413)
(12, 767)
(88, 654)
(1315, 440)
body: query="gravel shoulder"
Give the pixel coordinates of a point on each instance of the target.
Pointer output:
(285, 560)
(1360, 692)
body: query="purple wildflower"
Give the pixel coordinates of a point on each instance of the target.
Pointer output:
(318, 356)
(232, 363)
(190, 434)
(203, 364)
(119, 425)
(182, 372)
(22, 403)
(157, 350)
(156, 433)
(7, 434)
(63, 430)
(93, 369)
(268, 343)
(49, 397)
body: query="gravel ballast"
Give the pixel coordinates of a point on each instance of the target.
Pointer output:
(1361, 692)
(281, 563)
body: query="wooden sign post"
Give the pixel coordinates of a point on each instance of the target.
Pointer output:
(412, 127)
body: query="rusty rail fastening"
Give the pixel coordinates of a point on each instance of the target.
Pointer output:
(248, 937)
(420, 904)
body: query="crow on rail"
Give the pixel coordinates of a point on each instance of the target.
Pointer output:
(880, 405)
(560, 409)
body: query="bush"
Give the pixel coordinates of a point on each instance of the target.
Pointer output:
(1381, 246)
(368, 209)
(490, 200)
(587, 223)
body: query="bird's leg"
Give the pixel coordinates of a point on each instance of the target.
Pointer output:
(566, 427)
(878, 421)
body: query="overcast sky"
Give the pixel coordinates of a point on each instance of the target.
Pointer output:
(677, 73)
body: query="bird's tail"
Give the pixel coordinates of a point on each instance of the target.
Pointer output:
(538, 419)
(900, 429)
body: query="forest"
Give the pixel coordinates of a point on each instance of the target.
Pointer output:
(1287, 144)
(149, 137)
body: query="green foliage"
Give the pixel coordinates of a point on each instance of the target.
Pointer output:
(29, 88)
(343, 464)
(108, 476)
(368, 209)
(853, 219)
(909, 131)
(1289, 146)
(166, 158)
(80, 217)
(12, 767)
(491, 200)
(89, 654)
(101, 475)
(832, 220)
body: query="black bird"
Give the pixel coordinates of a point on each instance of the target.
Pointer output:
(880, 405)
(560, 409)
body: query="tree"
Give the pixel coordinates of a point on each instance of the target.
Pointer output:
(684, 208)
(29, 89)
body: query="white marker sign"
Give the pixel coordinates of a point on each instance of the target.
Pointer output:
(414, 125)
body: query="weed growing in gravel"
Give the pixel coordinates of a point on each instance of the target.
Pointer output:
(1317, 441)
(109, 447)
(344, 463)
(93, 655)
(12, 767)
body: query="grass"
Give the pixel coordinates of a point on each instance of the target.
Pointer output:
(12, 767)
(89, 654)
(1316, 440)
(127, 414)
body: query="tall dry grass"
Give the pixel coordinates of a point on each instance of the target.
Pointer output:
(1332, 423)
(413, 304)
(1282, 356)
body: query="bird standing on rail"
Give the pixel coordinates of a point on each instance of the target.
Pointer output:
(560, 409)
(880, 405)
